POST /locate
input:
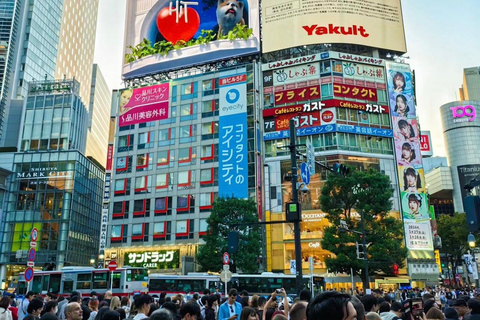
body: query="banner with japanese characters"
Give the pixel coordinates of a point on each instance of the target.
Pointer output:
(158, 259)
(233, 171)
(144, 104)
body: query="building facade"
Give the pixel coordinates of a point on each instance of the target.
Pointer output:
(460, 131)
(470, 89)
(54, 187)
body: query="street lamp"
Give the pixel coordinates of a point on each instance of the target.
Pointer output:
(471, 243)
(92, 260)
(471, 240)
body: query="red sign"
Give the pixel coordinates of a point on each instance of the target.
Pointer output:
(327, 116)
(354, 92)
(425, 143)
(305, 120)
(29, 274)
(226, 258)
(34, 234)
(298, 94)
(109, 158)
(112, 265)
(301, 108)
(233, 79)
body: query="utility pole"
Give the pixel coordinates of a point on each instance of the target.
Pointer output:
(296, 223)
(366, 284)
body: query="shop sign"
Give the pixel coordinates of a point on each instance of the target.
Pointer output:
(463, 113)
(297, 94)
(298, 73)
(160, 259)
(314, 245)
(39, 173)
(354, 92)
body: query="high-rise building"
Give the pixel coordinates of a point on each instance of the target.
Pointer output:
(98, 117)
(470, 89)
(54, 188)
(50, 40)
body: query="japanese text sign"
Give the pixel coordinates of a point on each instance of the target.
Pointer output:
(159, 259)
(296, 73)
(298, 94)
(354, 92)
(144, 104)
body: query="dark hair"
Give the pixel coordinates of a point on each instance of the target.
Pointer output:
(411, 172)
(451, 313)
(51, 295)
(74, 299)
(330, 305)
(369, 301)
(305, 295)
(29, 294)
(206, 291)
(244, 293)
(384, 307)
(397, 306)
(233, 292)
(402, 77)
(401, 96)
(246, 312)
(122, 313)
(124, 301)
(141, 300)
(49, 316)
(358, 305)
(5, 302)
(474, 305)
(101, 312)
(191, 308)
(153, 307)
(35, 304)
(415, 197)
(407, 146)
(111, 315)
(50, 305)
(380, 300)
(261, 301)
(161, 314)
(170, 306)
(403, 124)
(244, 301)
(102, 304)
(210, 300)
(196, 296)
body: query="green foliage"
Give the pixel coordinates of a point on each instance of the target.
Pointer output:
(343, 198)
(145, 48)
(224, 213)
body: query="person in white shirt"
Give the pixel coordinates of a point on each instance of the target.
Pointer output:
(142, 303)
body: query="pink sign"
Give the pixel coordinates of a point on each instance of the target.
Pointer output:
(144, 104)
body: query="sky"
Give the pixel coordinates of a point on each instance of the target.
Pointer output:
(442, 39)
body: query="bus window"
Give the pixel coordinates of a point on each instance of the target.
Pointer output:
(185, 285)
(67, 286)
(137, 275)
(116, 276)
(37, 284)
(55, 283)
(100, 280)
(170, 285)
(84, 281)
(22, 287)
(46, 280)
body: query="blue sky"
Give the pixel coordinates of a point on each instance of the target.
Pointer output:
(442, 39)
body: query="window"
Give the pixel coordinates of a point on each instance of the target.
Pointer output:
(185, 204)
(188, 133)
(119, 233)
(144, 162)
(206, 177)
(208, 153)
(125, 143)
(140, 232)
(342, 114)
(327, 91)
(188, 112)
(142, 184)
(207, 87)
(166, 137)
(165, 158)
(203, 227)
(208, 109)
(123, 164)
(163, 180)
(185, 180)
(206, 200)
(162, 230)
(188, 91)
(184, 229)
(122, 187)
(120, 209)
(209, 129)
(163, 206)
(145, 140)
(141, 208)
(187, 156)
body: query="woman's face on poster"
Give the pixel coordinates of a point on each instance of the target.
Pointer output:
(414, 206)
(401, 105)
(411, 180)
(399, 82)
(406, 153)
(406, 131)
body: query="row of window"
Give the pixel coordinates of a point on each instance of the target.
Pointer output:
(163, 205)
(166, 181)
(334, 141)
(146, 232)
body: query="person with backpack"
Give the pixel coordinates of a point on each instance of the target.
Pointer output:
(22, 309)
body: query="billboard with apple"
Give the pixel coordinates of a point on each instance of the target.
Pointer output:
(163, 35)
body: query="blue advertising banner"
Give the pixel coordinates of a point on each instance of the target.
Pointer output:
(385, 133)
(233, 174)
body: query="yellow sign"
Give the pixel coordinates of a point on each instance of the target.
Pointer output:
(21, 236)
(437, 260)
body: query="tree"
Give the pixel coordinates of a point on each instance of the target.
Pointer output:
(226, 212)
(344, 198)
(454, 232)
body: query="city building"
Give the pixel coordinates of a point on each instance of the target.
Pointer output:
(48, 40)
(54, 187)
(98, 117)
(470, 89)
(174, 123)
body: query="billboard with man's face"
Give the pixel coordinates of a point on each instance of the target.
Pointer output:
(295, 23)
(187, 33)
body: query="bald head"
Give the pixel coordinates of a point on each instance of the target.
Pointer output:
(73, 311)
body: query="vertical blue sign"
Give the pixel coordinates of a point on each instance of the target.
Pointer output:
(233, 174)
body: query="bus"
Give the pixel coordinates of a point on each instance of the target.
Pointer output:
(124, 281)
(184, 284)
(267, 282)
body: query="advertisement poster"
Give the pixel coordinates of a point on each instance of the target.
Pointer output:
(144, 104)
(296, 23)
(233, 171)
(182, 22)
(466, 174)
(405, 129)
(418, 235)
(415, 206)
(411, 179)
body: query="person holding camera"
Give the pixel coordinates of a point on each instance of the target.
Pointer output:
(272, 303)
(230, 309)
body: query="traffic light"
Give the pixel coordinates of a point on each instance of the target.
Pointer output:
(471, 204)
(360, 251)
(232, 242)
(341, 169)
(395, 269)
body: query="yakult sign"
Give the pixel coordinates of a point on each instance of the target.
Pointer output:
(463, 113)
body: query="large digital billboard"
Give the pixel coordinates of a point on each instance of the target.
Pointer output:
(295, 23)
(186, 33)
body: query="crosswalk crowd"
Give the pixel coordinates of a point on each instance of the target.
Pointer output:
(427, 304)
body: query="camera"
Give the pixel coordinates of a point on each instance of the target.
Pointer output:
(279, 291)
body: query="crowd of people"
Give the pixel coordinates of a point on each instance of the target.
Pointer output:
(435, 304)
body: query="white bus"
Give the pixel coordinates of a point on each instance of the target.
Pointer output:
(123, 281)
(184, 284)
